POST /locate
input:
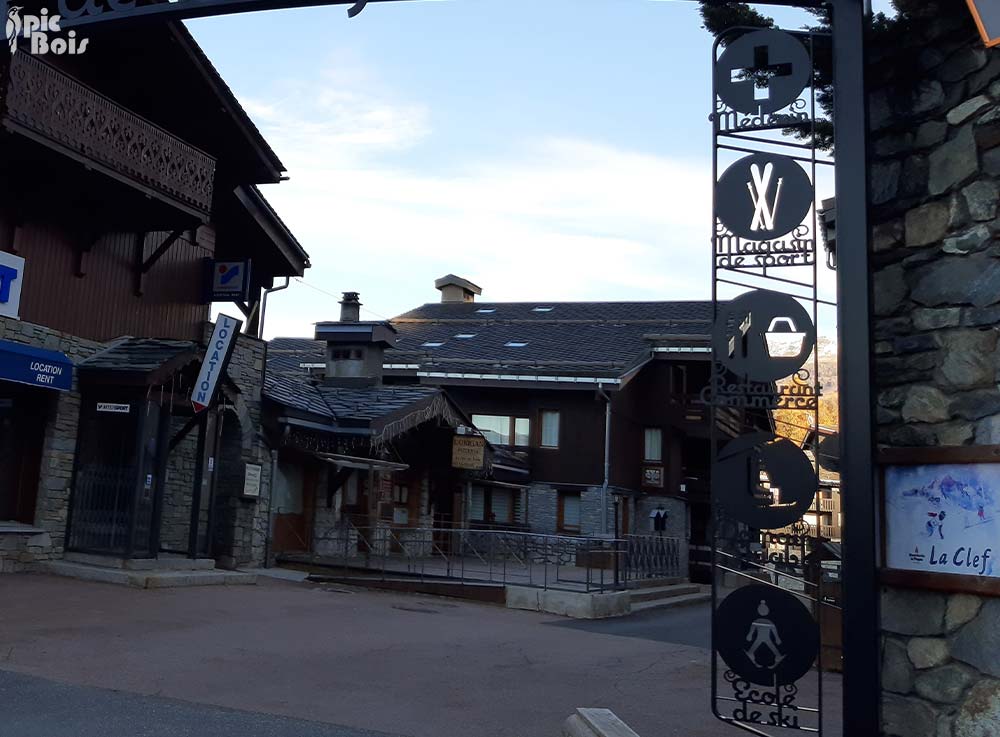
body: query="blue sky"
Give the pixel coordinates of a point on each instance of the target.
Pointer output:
(546, 150)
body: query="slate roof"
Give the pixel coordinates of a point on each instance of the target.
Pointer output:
(561, 338)
(141, 355)
(352, 405)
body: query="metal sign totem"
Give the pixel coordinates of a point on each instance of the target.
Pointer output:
(767, 602)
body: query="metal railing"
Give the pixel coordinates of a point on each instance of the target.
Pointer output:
(495, 556)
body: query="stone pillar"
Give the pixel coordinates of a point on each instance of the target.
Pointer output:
(935, 186)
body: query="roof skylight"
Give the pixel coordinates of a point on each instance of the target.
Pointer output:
(542, 309)
(486, 310)
(516, 343)
(465, 336)
(432, 344)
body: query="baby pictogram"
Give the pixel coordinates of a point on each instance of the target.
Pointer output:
(764, 633)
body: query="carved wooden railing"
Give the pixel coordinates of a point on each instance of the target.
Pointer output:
(59, 110)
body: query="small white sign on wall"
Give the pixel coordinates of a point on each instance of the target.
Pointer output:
(251, 480)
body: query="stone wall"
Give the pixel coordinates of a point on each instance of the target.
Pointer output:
(243, 523)
(935, 184)
(59, 443)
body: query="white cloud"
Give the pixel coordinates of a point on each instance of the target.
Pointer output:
(552, 218)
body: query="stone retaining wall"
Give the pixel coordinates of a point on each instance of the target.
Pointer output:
(935, 186)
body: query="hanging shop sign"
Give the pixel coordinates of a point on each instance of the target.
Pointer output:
(986, 13)
(228, 281)
(217, 355)
(468, 452)
(11, 276)
(763, 484)
(75, 13)
(25, 364)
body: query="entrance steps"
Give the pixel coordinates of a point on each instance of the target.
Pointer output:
(166, 562)
(152, 573)
(672, 595)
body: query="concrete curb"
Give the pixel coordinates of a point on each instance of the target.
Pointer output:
(596, 723)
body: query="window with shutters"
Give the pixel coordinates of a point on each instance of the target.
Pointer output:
(550, 429)
(569, 512)
(477, 504)
(654, 445)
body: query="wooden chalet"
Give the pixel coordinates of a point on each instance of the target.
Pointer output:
(129, 173)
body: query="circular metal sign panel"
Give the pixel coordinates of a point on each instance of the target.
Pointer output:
(763, 196)
(764, 481)
(763, 335)
(762, 72)
(766, 635)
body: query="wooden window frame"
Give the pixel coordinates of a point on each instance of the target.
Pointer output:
(541, 429)
(652, 460)
(560, 513)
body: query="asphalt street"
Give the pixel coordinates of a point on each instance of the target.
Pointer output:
(689, 625)
(37, 707)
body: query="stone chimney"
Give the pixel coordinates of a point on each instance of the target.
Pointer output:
(350, 307)
(456, 289)
(354, 349)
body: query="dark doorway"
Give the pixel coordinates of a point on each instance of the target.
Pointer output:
(116, 476)
(23, 413)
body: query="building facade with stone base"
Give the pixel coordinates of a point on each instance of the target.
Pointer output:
(109, 262)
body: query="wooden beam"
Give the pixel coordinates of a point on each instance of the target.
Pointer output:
(160, 250)
(85, 244)
(138, 260)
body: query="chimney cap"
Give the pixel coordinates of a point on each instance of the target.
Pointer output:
(450, 280)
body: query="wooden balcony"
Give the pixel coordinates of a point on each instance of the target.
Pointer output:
(55, 110)
(827, 505)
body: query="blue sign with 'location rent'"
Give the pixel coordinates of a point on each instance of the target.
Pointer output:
(27, 365)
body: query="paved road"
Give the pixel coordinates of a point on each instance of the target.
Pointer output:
(36, 707)
(689, 625)
(266, 657)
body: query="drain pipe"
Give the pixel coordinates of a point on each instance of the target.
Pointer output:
(607, 458)
(263, 306)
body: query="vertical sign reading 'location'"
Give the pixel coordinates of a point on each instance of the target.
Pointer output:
(765, 629)
(217, 355)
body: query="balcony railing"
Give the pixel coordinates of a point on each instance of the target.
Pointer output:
(57, 110)
(827, 505)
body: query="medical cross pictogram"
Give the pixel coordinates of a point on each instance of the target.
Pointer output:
(761, 73)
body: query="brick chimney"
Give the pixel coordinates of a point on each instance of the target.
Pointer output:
(354, 349)
(456, 289)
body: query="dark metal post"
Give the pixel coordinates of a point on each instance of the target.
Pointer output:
(199, 476)
(861, 602)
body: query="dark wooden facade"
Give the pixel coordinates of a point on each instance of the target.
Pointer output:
(653, 398)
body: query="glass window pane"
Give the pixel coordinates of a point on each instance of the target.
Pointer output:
(571, 511)
(522, 431)
(654, 444)
(495, 428)
(550, 429)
